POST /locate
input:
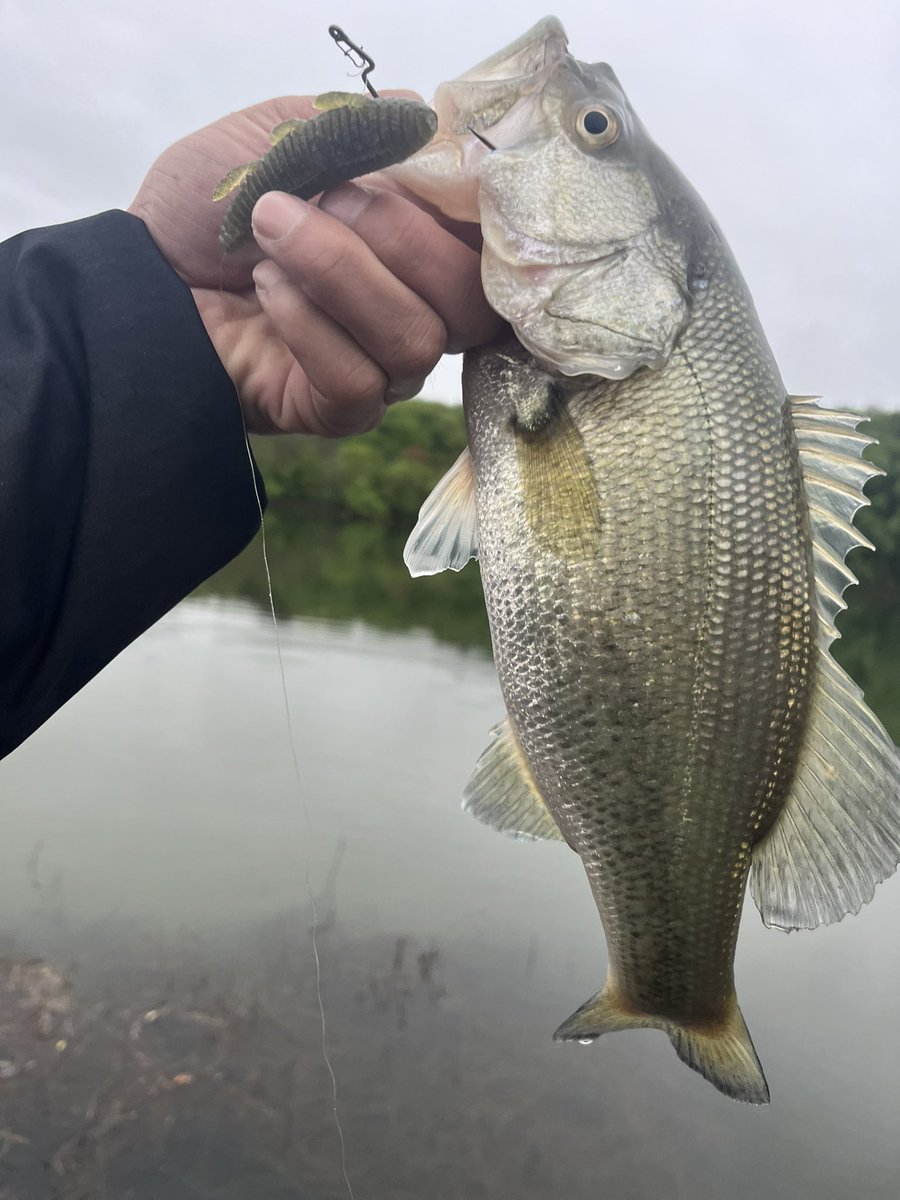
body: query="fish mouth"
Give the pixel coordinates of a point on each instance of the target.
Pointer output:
(484, 97)
(582, 350)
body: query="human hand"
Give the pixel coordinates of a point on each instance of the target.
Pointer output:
(341, 308)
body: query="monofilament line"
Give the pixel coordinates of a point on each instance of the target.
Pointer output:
(309, 827)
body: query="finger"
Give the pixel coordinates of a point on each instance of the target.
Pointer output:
(347, 389)
(467, 232)
(345, 278)
(434, 263)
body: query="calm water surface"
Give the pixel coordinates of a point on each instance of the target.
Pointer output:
(159, 1035)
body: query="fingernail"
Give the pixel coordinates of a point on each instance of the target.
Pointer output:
(346, 202)
(276, 214)
(266, 274)
(403, 391)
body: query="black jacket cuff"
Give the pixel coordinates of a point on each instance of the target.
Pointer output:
(125, 478)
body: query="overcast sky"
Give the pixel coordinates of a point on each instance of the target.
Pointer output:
(783, 114)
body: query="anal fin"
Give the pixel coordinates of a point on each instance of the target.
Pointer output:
(502, 792)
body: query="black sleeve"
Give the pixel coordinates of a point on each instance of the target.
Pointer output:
(124, 474)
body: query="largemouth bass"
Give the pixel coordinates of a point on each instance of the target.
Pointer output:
(661, 532)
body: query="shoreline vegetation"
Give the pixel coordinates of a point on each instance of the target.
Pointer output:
(340, 512)
(338, 517)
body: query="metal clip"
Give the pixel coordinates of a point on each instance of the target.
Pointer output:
(356, 54)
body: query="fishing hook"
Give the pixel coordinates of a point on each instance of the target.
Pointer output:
(362, 61)
(474, 132)
(366, 63)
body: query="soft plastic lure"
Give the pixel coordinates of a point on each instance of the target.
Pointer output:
(353, 136)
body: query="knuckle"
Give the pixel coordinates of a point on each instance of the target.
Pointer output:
(362, 385)
(418, 346)
(323, 257)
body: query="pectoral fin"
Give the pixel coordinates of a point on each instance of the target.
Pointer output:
(560, 494)
(502, 792)
(838, 835)
(445, 536)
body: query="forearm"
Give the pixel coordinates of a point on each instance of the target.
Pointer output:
(124, 476)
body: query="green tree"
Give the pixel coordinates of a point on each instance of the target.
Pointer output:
(382, 477)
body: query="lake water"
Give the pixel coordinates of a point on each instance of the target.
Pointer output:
(159, 1032)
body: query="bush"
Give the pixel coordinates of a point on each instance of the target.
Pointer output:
(382, 477)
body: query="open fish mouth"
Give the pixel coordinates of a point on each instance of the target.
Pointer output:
(483, 98)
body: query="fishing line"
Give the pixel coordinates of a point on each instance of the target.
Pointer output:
(364, 62)
(309, 826)
(297, 779)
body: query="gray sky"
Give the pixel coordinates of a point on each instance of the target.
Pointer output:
(784, 115)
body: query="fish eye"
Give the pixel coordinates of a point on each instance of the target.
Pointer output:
(597, 126)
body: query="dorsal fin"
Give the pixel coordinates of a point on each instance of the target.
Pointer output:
(838, 834)
(834, 474)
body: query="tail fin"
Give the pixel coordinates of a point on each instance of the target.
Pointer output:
(722, 1053)
(725, 1056)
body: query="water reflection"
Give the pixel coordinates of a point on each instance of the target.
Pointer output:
(166, 1043)
(355, 570)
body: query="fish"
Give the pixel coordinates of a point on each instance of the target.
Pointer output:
(350, 135)
(661, 531)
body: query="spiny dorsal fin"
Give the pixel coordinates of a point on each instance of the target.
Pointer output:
(834, 474)
(233, 180)
(445, 536)
(502, 792)
(838, 835)
(284, 128)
